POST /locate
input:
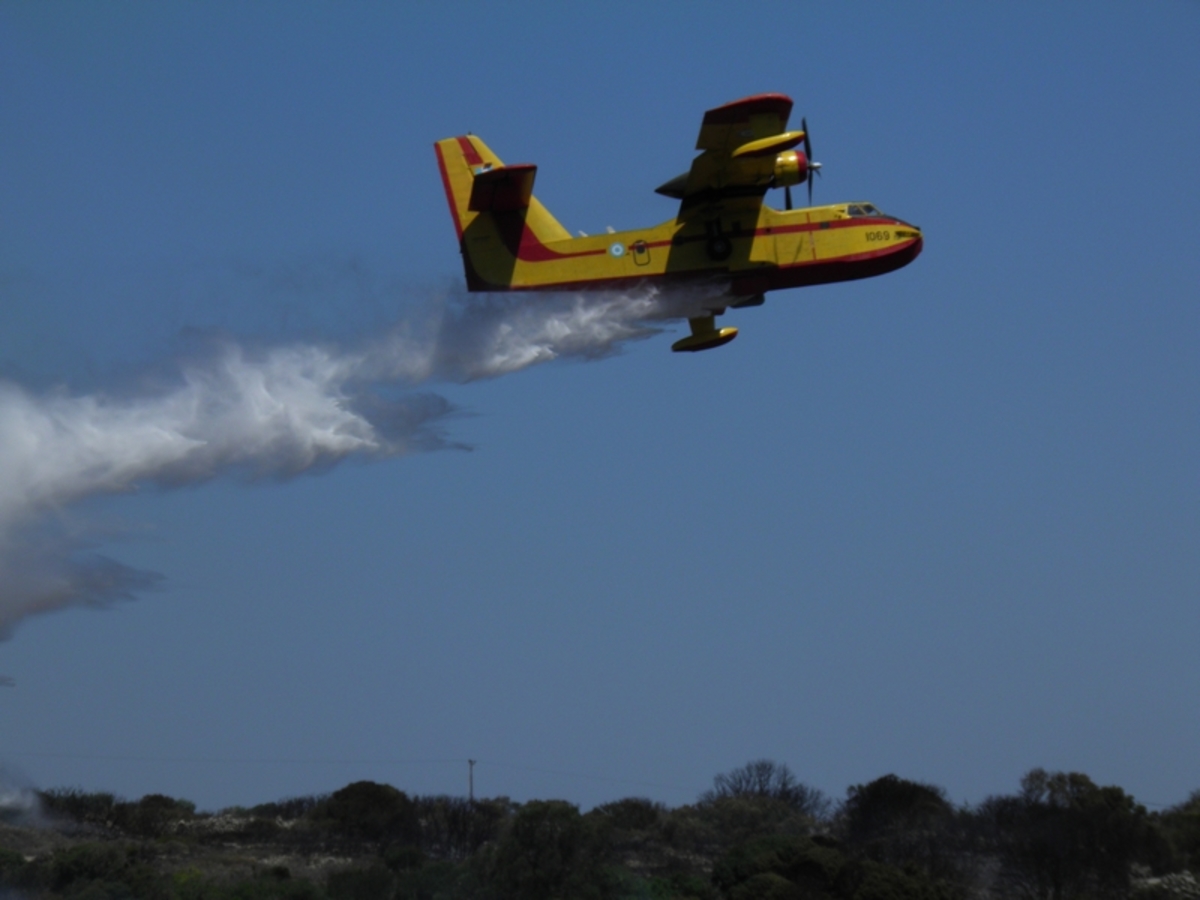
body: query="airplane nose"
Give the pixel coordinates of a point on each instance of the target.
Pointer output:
(912, 240)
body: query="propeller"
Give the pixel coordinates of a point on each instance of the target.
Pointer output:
(813, 167)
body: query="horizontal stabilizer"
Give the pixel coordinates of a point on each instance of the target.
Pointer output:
(503, 188)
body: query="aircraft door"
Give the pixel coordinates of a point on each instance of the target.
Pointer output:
(641, 253)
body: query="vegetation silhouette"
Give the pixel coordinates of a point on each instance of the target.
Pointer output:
(758, 834)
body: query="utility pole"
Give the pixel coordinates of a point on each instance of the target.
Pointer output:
(471, 780)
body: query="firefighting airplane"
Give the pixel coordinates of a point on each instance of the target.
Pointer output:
(724, 239)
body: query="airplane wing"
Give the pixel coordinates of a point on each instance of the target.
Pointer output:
(741, 143)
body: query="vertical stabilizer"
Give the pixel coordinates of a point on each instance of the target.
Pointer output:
(488, 198)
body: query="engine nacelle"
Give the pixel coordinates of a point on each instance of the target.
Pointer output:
(790, 168)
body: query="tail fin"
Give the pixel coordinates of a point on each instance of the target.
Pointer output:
(486, 196)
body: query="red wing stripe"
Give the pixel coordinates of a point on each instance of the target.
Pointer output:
(742, 110)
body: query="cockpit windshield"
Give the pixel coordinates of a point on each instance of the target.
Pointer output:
(862, 209)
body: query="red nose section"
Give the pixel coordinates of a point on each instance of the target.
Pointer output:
(803, 160)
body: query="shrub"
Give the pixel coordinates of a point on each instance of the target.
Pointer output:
(289, 809)
(152, 816)
(12, 868)
(79, 805)
(631, 814)
(374, 883)
(798, 868)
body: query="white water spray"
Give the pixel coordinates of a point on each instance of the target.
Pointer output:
(273, 412)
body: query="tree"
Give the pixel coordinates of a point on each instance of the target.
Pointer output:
(1182, 826)
(1064, 837)
(765, 779)
(551, 852)
(370, 811)
(455, 827)
(904, 823)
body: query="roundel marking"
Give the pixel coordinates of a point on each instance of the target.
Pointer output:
(617, 250)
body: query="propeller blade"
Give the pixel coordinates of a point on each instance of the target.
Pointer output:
(787, 197)
(812, 167)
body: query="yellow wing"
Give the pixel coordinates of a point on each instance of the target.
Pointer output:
(745, 148)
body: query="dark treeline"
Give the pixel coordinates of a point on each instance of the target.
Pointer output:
(758, 834)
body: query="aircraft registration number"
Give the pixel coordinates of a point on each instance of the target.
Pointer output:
(879, 235)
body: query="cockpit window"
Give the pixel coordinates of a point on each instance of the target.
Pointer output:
(855, 210)
(871, 210)
(862, 209)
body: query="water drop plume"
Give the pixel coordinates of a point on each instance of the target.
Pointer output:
(254, 411)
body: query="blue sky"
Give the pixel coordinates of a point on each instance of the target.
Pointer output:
(941, 523)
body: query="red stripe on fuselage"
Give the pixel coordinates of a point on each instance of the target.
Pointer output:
(533, 250)
(748, 283)
(771, 230)
(530, 249)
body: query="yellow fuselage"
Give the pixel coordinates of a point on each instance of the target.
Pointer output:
(755, 251)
